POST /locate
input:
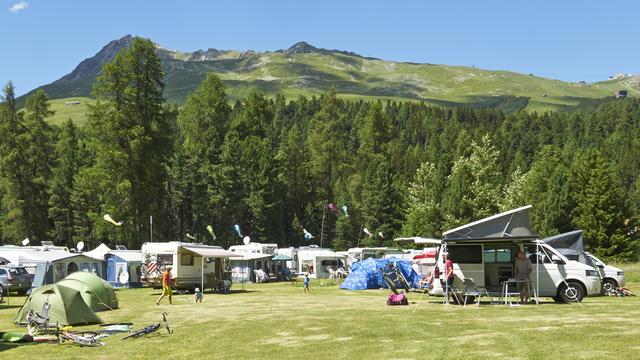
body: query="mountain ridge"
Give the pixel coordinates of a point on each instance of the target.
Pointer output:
(303, 69)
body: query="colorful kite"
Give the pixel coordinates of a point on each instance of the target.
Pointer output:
(210, 230)
(307, 235)
(344, 209)
(366, 231)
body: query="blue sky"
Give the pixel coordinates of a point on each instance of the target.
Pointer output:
(564, 39)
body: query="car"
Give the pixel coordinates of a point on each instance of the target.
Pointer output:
(612, 277)
(14, 278)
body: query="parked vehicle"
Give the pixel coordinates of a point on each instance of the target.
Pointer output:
(485, 251)
(14, 278)
(612, 277)
(571, 245)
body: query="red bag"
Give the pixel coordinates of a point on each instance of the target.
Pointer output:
(397, 299)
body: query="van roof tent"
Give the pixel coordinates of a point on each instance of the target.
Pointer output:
(507, 239)
(509, 224)
(570, 240)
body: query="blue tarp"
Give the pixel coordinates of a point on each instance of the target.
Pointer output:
(367, 274)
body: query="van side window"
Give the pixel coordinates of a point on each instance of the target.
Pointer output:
(535, 256)
(2, 272)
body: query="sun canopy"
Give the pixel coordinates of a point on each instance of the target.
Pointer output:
(429, 254)
(282, 258)
(510, 224)
(249, 256)
(209, 252)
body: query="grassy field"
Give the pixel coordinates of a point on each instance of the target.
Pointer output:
(62, 112)
(278, 321)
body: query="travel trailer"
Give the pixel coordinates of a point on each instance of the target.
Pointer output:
(193, 265)
(252, 262)
(292, 252)
(320, 263)
(485, 251)
(571, 245)
(359, 254)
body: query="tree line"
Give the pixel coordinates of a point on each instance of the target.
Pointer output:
(273, 166)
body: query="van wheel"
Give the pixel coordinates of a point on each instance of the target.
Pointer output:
(571, 291)
(609, 285)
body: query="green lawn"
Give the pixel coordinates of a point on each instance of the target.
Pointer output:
(278, 321)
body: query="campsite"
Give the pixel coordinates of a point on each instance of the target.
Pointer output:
(277, 321)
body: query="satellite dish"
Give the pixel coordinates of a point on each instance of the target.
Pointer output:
(124, 278)
(80, 246)
(25, 242)
(246, 240)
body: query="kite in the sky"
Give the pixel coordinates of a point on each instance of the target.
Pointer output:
(236, 227)
(108, 218)
(307, 235)
(210, 230)
(344, 209)
(366, 231)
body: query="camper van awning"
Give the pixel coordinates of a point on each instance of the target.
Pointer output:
(210, 252)
(249, 256)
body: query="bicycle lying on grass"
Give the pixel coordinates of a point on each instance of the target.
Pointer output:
(151, 328)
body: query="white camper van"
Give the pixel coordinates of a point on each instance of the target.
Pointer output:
(192, 265)
(612, 277)
(485, 251)
(359, 254)
(571, 245)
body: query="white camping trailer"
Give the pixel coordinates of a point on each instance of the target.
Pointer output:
(192, 265)
(359, 253)
(292, 252)
(485, 251)
(319, 262)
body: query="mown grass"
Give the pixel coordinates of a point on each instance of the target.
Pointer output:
(279, 321)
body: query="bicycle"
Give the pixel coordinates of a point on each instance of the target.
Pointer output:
(151, 328)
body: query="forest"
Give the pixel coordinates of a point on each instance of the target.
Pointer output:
(282, 168)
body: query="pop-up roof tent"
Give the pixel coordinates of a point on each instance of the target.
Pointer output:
(97, 293)
(571, 245)
(513, 225)
(67, 306)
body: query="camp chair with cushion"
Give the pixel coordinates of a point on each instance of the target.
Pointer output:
(38, 323)
(473, 290)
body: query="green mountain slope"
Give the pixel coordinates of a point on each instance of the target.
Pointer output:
(305, 70)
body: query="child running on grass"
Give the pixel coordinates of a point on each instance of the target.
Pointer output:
(307, 289)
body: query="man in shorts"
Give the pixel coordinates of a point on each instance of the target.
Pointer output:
(166, 285)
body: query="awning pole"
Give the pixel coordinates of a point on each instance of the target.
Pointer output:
(537, 272)
(202, 275)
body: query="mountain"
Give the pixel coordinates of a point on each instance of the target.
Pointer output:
(303, 69)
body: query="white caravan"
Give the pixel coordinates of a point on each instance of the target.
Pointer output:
(485, 251)
(319, 262)
(251, 257)
(187, 266)
(292, 252)
(358, 254)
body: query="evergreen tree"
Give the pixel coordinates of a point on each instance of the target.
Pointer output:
(70, 158)
(424, 217)
(133, 141)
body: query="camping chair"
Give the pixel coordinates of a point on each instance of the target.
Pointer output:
(332, 273)
(38, 322)
(473, 290)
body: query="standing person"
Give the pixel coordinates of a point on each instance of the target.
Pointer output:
(307, 289)
(166, 285)
(521, 272)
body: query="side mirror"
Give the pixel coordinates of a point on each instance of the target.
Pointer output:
(556, 259)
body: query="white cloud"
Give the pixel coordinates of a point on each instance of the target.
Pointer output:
(15, 8)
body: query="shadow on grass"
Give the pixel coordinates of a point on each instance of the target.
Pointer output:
(208, 292)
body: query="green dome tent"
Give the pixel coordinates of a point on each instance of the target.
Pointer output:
(67, 306)
(97, 293)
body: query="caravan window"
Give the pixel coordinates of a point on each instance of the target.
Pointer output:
(465, 254)
(186, 260)
(165, 259)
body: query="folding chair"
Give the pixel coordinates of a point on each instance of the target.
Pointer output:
(38, 323)
(473, 290)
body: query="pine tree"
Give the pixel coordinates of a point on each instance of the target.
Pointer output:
(133, 141)
(424, 217)
(70, 158)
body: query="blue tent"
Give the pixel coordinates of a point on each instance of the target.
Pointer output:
(367, 274)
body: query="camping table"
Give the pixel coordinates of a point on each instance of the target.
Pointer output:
(507, 295)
